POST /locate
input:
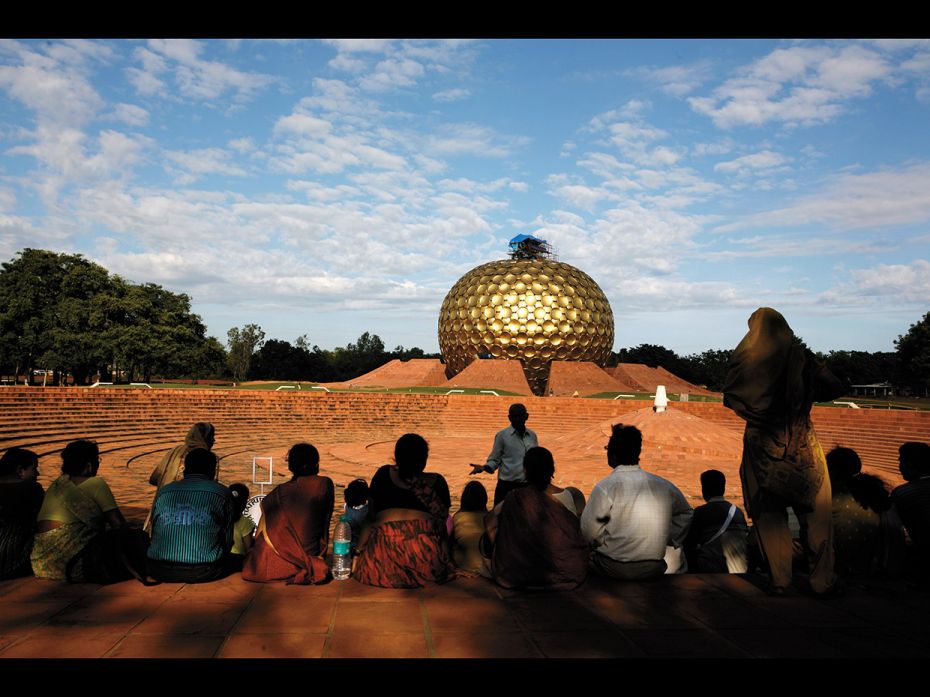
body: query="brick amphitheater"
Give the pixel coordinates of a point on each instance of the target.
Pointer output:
(356, 431)
(691, 615)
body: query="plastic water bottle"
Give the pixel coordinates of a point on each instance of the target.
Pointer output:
(342, 549)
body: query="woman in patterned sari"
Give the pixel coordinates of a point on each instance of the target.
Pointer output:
(408, 544)
(72, 542)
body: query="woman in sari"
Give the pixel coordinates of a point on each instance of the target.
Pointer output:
(408, 544)
(171, 467)
(537, 537)
(71, 541)
(293, 532)
(20, 501)
(772, 382)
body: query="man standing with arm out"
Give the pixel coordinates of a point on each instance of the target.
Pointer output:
(510, 446)
(632, 515)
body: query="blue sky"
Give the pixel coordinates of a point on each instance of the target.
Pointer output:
(336, 187)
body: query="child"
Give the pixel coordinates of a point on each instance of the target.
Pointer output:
(356, 508)
(243, 527)
(468, 527)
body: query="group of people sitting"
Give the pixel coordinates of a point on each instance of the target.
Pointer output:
(635, 525)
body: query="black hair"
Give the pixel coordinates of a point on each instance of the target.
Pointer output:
(843, 464)
(713, 483)
(356, 492)
(240, 497)
(916, 458)
(474, 497)
(410, 453)
(303, 460)
(77, 455)
(17, 458)
(625, 445)
(539, 467)
(200, 461)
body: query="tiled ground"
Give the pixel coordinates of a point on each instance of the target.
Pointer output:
(684, 616)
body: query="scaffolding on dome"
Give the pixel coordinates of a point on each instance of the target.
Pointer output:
(529, 247)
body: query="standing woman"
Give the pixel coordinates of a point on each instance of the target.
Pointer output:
(408, 543)
(772, 382)
(20, 500)
(171, 467)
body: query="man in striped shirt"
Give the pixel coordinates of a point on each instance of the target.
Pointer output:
(192, 523)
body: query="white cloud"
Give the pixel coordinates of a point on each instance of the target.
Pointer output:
(131, 114)
(472, 139)
(195, 77)
(392, 73)
(359, 45)
(907, 283)
(348, 63)
(878, 200)
(452, 95)
(204, 161)
(765, 160)
(799, 85)
(303, 124)
(243, 145)
(676, 80)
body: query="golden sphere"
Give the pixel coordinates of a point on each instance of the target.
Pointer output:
(534, 311)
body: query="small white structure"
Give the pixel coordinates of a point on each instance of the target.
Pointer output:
(661, 400)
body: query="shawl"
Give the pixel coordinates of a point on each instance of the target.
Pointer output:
(771, 383)
(296, 518)
(171, 467)
(53, 549)
(539, 543)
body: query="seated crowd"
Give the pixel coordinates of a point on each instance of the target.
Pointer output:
(635, 526)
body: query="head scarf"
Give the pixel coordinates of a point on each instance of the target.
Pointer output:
(764, 381)
(200, 436)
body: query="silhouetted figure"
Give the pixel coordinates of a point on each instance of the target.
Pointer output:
(633, 516)
(20, 501)
(772, 383)
(717, 538)
(171, 467)
(408, 543)
(243, 527)
(192, 525)
(867, 538)
(357, 508)
(468, 527)
(536, 536)
(912, 502)
(293, 532)
(506, 458)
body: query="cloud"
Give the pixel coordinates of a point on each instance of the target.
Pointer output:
(452, 95)
(58, 93)
(797, 86)
(360, 45)
(874, 200)
(194, 76)
(676, 80)
(472, 139)
(131, 114)
(204, 161)
(391, 74)
(907, 283)
(766, 160)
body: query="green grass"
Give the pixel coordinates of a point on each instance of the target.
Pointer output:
(672, 396)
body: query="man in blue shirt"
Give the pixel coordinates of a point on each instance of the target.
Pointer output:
(192, 524)
(510, 446)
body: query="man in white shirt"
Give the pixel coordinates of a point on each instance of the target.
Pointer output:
(632, 515)
(510, 446)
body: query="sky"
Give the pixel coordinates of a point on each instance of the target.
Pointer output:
(334, 187)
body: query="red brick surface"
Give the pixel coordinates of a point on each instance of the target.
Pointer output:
(416, 372)
(492, 375)
(646, 379)
(580, 378)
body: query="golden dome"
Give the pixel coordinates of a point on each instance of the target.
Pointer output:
(531, 310)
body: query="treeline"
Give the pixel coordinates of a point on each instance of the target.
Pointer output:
(65, 314)
(908, 367)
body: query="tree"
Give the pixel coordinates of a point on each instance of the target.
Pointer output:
(243, 343)
(914, 356)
